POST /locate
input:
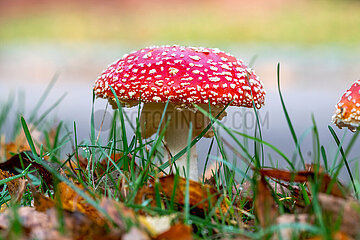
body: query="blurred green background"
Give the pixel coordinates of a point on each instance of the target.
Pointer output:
(210, 22)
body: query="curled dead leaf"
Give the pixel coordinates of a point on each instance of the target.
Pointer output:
(22, 161)
(327, 183)
(201, 197)
(69, 200)
(46, 225)
(176, 232)
(41, 203)
(72, 201)
(16, 187)
(264, 204)
(118, 213)
(20, 143)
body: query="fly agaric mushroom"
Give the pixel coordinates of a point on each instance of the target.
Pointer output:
(183, 76)
(347, 113)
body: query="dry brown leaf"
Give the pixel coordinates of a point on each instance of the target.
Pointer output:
(9, 149)
(202, 197)
(285, 175)
(20, 143)
(71, 201)
(37, 224)
(264, 204)
(74, 204)
(16, 187)
(176, 232)
(41, 203)
(78, 225)
(118, 212)
(348, 209)
(45, 225)
(303, 177)
(21, 161)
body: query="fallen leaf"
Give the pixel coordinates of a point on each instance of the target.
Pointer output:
(78, 225)
(304, 176)
(20, 143)
(41, 203)
(37, 224)
(22, 161)
(202, 197)
(118, 213)
(264, 204)
(72, 201)
(69, 200)
(45, 225)
(16, 187)
(176, 232)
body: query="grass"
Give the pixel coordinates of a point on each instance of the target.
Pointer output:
(305, 23)
(145, 154)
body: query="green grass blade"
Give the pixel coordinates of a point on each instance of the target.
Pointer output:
(293, 134)
(187, 189)
(20, 175)
(207, 159)
(122, 121)
(344, 159)
(56, 174)
(324, 157)
(92, 122)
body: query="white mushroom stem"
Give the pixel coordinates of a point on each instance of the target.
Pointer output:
(176, 138)
(177, 132)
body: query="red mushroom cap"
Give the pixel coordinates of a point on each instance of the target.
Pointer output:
(182, 75)
(347, 112)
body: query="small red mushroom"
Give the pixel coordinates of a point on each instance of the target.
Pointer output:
(182, 75)
(347, 113)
